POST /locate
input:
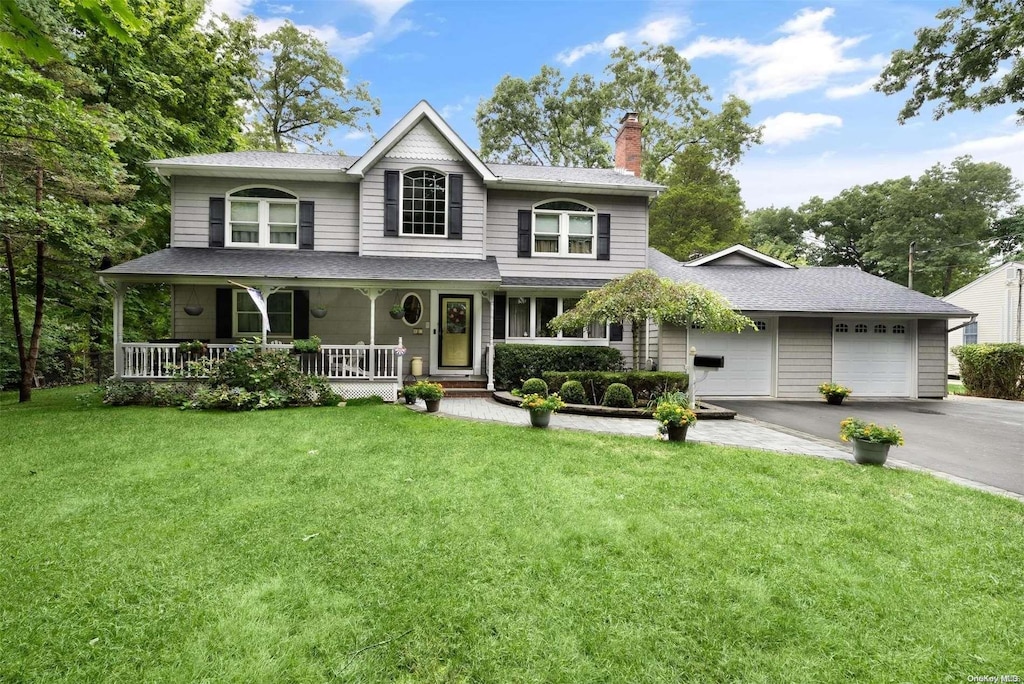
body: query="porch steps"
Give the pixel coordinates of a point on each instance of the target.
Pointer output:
(462, 387)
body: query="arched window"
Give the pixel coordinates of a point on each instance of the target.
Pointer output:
(880, 329)
(842, 328)
(424, 205)
(262, 217)
(860, 328)
(564, 228)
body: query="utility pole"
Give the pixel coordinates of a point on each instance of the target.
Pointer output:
(910, 265)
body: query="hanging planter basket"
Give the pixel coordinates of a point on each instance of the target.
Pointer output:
(318, 312)
(193, 309)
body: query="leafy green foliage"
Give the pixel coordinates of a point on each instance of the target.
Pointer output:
(971, 60)
(428, 391)
(572, 392)
(535, 386)
(618, 395)
(545, 121)
(514, 363)
(644, 295)
(992, 370)
(645, 385)
(23, 33)
(778, 233)
(307, 346)
(299, 91)
(855, 428)
(542, 402)
(701, 212)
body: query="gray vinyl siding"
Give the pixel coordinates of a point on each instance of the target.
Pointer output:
(201, 327)
(336, 210)
(931, 359)
(471, 246)
(805, 356)
(628, 236)
(672, 348)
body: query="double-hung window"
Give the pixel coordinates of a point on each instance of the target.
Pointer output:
(528, 317)
(262, 217)
(971, 333)
(564, 228)
(248, 320)
(424, 203)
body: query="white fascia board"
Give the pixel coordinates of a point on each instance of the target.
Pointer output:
(739, 249)
(257, 172)
(575, 186)
(391, 283)
(982, 278)
(421, 111)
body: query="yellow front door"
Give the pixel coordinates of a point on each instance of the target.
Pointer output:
(456, 331)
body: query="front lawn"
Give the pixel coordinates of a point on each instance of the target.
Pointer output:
(378, 544)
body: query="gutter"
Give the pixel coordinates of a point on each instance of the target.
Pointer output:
(963, 325)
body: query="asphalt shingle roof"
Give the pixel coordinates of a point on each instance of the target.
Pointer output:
(293, 161)
(582, 283)
(806, 290)
(303, 264)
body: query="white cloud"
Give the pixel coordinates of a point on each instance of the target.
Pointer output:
(281, 9)
(355, 134)
(656, 31)
(862, 88)
(383, 10)
(789, 127)
(806, 57)
(344, 46)
(770, 180)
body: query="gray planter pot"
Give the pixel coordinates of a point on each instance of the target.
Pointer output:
(540, 418)
(433, 405)
(677, 433)
(870, 453)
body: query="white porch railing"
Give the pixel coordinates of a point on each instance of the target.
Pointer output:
(159, 360)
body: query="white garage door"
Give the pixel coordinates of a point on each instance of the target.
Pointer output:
(748, 361)
(872, 358)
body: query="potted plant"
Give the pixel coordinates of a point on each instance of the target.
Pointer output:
(541, 407)
(409, 392)
(397, 311)
(833, 393)
(674, 419)
(308, 346)
(430, 393)
(871, 441)
(194, 349)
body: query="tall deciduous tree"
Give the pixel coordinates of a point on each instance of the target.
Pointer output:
(298, 90)
(778, 232)
(644, 295)
(701, 212)
(545, 121)
(973, 59)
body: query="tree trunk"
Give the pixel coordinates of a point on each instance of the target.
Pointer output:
(28, 361)
(634, 326)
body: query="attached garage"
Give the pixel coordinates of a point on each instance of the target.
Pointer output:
(873, 357)
(748, 361)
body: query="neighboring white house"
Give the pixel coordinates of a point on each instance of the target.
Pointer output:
(996, 297)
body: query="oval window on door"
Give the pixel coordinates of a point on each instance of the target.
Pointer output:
(412, 305)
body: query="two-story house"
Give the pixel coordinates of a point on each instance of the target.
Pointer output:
(418, 247)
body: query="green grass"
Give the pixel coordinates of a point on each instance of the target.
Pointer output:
(956, 388)
(160, 545)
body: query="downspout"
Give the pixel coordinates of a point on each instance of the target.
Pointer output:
(963, 325)
(1020, 288)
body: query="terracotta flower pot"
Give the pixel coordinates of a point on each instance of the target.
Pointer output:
(433, 405)
(834, 399)
(677, 433)
(870, 453)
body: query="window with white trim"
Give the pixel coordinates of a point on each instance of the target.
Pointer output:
(424, 203)
(564, 228)
(528, 317)
(262, 217)
(248, 321)
(971, 333)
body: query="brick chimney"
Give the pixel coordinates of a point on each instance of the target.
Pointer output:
(627, 145)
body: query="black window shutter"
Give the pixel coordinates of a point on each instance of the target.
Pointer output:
(224, 313)
(455, 206)
(300, 314)
(499, 316)
(306, 215)
(392, 186)
(525, 232)
(615, 331)
(217, 222)
(604, 236)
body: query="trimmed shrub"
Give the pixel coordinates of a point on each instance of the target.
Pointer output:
(992, 370)
(645, 385)
(535, 386)
(514, 363)
(127, 393)
(618, 396)
(572, 392)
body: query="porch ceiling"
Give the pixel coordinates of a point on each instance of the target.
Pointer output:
(198, 262)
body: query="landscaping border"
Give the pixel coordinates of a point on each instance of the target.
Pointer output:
(704, 411)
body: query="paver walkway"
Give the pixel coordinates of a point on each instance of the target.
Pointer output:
(728, 432)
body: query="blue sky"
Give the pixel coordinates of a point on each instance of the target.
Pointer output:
(806, 68)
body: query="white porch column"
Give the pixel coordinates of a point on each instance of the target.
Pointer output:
(490, 345)
(118, 329)
(691, 389)
(372, 294)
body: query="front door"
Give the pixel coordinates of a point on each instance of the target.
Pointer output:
(455, 339)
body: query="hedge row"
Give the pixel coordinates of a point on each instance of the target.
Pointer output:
(646, 385)
(516, 363)
(992, 370)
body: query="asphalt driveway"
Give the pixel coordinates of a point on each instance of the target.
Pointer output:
(977, 439)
